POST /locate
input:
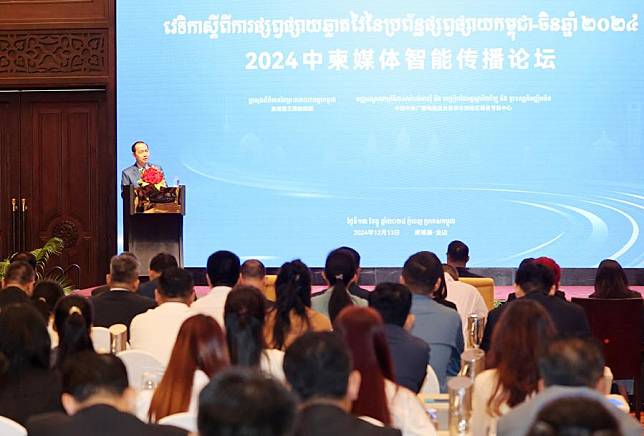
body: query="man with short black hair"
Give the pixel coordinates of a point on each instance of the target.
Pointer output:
(17, 284)
(319, 370)
(253, 273)
(458, 254)
(222, 273)
(571, 367)
(155, 331)
(244, 402)
(98, 400)
(409, 354)
(158, 263)
(536, 282)
(121, 303)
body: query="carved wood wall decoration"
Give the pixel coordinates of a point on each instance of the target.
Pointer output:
(53, 53)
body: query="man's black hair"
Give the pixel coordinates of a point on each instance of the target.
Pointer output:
(89, 373)
(392, 301)
(162, 261)
(317, 364)
(244, 402)
(572, 362)
(175, 282)
(223, 268)
(458, 251)
(534, 277)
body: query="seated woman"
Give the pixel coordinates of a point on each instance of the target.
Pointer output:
(46, 295)
(73, 323)
(244, 315)
(522, 332)
(292, 315)
(611, 282)
(27, 385)
(379, 397)
(339, 273)
(199, 353)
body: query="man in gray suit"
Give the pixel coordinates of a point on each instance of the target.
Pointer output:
(570, 367)
(132, 174)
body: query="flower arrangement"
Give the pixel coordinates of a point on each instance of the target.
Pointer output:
(152, 176)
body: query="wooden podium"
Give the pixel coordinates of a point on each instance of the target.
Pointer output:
(153, 222)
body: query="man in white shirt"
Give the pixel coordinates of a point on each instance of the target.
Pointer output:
(222, 274)
(155, 331)
(467, 298)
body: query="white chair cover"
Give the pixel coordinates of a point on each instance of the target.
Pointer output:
(186, 421)
(9, 427)
(430, 385)
(137, 363)
(101, 339)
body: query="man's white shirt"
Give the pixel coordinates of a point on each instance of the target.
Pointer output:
(213, 303)
(467, 299)
(155, 331)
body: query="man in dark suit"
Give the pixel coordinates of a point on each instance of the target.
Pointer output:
(158, 263)
(132, 174)
(17, 284)
(98, 400)
(410, 355)
(318, 368)
(536, 282)
(121, 303)
(458, 254)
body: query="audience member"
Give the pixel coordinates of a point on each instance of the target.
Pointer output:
(571, 367)
(522, 334)
(467, 298)
(222, 273)
(46, 295)
(121, 304)
(253, 273)
(27, 385)
(535, 282)
(318, 368)
(17, 284)
(199, 353)
(458, 254)
(409, 354)
(575, 416)
(158, 264)
(106, 287)
(436, 324)
(611, 282)
(25, 256)
(98, 400)
(244, 316)
(339, 272)
(73, 324)
(242, 402)
(156, 330)
(556, 271)
(354, 287)
(379, 396)
(292, 314)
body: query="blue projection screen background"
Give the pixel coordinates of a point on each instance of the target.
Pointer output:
(392, 128)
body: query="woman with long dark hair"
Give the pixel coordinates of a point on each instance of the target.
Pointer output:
(244, 315)
(522, 333)
(73, 319)
(292, 315)
(46, 295)
(199, 353)
(379, 397)
(611, 282)
(27, 385)
(339, 272)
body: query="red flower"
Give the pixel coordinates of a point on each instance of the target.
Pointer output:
(152, 175)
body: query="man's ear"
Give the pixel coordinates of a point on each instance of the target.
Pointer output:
(208, 281)
(401, 280)
(438, 284)
(108, 279)
(193, 296)
(69, 403)
(325, 279)
(518, 291)
(157, 296)
(353, 385)
(409, 322)
(127, 402)
(540, 385)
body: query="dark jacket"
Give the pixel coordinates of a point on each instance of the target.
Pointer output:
(13, 295)
(328, 420)
(30, 392)
(97, 420)
(570, 319)
(119, 307)
(410, 356)
(147, 289)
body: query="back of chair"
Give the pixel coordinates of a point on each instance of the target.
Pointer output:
(431, 385)
(138, 363)
(186, 421)
(617, 325)
(485, 286)
(9, 427)
(101, 339)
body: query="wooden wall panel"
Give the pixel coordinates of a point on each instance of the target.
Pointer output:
(53, 10)
(9, 165)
